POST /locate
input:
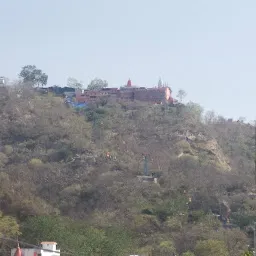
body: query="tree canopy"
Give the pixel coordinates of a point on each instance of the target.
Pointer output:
(8, 226)
(181, 95)
(97, 84)
(211, 248)
(74, 83)
(77, 237)
(33, 75)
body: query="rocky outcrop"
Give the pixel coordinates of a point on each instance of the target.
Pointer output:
(199, 144)
(213, 147)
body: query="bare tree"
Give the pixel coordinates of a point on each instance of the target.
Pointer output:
(209, 117)
(181, 95)
(74, 83)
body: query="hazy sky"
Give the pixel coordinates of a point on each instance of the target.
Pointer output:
(206, 47)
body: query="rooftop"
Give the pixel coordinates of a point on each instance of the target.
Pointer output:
(50, 242)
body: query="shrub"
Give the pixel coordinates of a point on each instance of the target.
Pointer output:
(188, 253)
(35, 162)
(8, 149)
(183, 146)
(3, 159)
(166, 248)
(174, 223)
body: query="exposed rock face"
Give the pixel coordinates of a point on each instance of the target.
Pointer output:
(214, 148)
(200, 144)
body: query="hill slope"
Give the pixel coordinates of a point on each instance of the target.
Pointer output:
(54, 162)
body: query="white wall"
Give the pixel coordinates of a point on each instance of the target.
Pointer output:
(26, 252)
(50, 246)
(30, 252)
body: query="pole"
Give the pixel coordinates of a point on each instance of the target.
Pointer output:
(254, 239)
(146, 165)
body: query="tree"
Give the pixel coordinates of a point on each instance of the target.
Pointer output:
(33, 75)
(77, 237)
(211, 248)
(181, 94)
(248, 253)
(195, 110)
(166, 248)
(235, 240)
(74, 83)
(188, 253)
(8, 226)
(209, 117)
(97, 84)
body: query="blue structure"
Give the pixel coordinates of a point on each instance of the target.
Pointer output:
(61, 90)
(73, 104)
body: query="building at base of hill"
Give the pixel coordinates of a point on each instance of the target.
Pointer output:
(46, 249)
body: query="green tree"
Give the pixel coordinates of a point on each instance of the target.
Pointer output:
(211, 248)
(8, 226)
(195, 111)
(74, 83)
(188, 253)
(170, 208)
(248, 253)
(166, 248)
(97, 84)
(33, 75)
(76, 237)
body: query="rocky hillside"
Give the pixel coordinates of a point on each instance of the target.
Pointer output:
(58, 163)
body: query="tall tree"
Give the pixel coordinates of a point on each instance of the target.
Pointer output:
(195, 110)
(181, 95)
(97, 84)
(74, 83)
(33, 75)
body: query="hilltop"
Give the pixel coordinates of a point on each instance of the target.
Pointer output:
(75, 169)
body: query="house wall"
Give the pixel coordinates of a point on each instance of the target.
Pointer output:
(34, 252)
(2, 80)
(49, 253)
(27, 252)
(60, 90)
(156, 95)
(93, 96)
(126, 94)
